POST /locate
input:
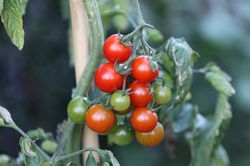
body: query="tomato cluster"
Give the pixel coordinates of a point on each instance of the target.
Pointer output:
(130, 82)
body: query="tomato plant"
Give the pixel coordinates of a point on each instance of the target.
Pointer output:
(143, 119)
(151, 138)
(99, 119)
(143, 89)
(115, 51)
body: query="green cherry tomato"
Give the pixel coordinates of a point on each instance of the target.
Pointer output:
(76, 109)
(121, 135)
(120, 102)
(162, 94)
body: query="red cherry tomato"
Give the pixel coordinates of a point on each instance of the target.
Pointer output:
(142, 71)
(140, 94)
(114, 50)
(107, 79)
(151, 138)
(143, 119)
(99, 119)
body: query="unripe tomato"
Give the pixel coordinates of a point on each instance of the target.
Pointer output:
(141, 70)
(143, 119)
(120, 102)
(151, 138)
(114, 50)
(140, 94)
(107, 79)
(99, 119)
(76, 110)
(121, 135)
(162, 94)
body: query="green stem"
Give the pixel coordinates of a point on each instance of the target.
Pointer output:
(77, 153)
(97, 38)
(45, 156)
(139, 17)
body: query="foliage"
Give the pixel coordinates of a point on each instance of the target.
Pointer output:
(203, 133)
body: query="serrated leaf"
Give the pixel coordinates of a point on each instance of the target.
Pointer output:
(5, 117)
(183, 118)
(1, 6)
(91, 160)
(219, 80)
(26, 147)
(179, 54)
(207, 133)
(12, 19)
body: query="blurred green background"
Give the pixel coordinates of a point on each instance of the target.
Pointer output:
(36, 83)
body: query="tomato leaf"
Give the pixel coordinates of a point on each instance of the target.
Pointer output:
(183, 118)
(24, 5)
(12, 19)
(91, 160)
(219, 80)
(179, 54)
(207, 133)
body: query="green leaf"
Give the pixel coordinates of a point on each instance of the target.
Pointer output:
(180, 54)
(206, 134)
(12, 20)
(91, 160)
(5, 117)
(1, 6)
(219, 80)
(26, 147)
(183, 118)
(220, 157)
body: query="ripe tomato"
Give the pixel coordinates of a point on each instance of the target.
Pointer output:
(162, 94)
(121, 135)
(107, 79)
(143, 119)
(120, 102)
(76, 110)
(151, 138)
(114, 50)
(99, 119)
(142, 71)
(140, 94)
